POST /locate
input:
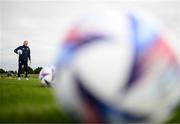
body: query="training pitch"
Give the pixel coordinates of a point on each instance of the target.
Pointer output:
(28, 101)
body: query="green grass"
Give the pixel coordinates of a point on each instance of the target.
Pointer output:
(28, 101)
(175, 116)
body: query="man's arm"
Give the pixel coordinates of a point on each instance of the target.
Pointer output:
(17, 49)
(29, 55)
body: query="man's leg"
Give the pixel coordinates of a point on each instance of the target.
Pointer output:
(19, 69)
(26, 69)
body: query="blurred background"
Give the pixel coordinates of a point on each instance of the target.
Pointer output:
(44, 23)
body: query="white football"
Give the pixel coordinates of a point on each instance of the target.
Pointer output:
(19, 52)
(46, 76)
(117, 66)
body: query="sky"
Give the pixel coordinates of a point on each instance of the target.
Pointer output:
(45, 22)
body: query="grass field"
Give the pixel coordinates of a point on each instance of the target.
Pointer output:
(28, 101)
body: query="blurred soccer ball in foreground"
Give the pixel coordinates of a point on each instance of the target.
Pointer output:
(117, 66)
(46, 76)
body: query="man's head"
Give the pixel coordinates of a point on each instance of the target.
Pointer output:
(25, 43)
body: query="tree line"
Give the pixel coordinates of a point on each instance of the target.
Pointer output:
(30, 70)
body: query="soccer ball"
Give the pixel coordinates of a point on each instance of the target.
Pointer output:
(117, 66)
(46, 76)
(19, 52)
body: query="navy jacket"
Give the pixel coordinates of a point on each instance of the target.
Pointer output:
(26, 54)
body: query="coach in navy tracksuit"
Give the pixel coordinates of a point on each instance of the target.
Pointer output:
(24, 54)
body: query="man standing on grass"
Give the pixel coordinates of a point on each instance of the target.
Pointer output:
(24, 54)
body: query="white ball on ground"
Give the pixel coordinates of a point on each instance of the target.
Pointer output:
(46, 76)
